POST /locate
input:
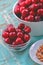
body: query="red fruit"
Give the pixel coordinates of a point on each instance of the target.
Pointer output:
(19, 41)
(31, 18)
(26, 37)
(24, 13)
(22, 8)
(21, 1)
(5, 34)
(40, 12)
(28, 2)
(7, 40)
(32, 13)
(35, 1)
(37, 18)
(12, 35)
(20, 34)
(41, 1)
(23, 4)
(18, 30)
(40, 5)
(27, 29)
(33, 7)
(17, 9)
(11, 29)
(26, 19)
(21, 26)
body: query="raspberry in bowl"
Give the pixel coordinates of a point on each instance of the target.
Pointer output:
(30, 12)
(17, 38)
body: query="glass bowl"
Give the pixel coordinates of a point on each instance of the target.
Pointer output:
(20, 47)
(36, 27)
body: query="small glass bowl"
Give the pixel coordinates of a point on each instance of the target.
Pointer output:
(20, 47)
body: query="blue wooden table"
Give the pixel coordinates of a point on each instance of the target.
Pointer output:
(7, 57)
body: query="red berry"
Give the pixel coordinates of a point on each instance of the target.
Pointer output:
(33, 7)
(24, 13)
(41, 1)
(23, 4)
(27, 29)
(37, 18)
(35, 1)
(31, 18)
(20, 34)
(11, 29)
(28, 2)
(26, 37)
(5, 34)
(32, 13)
(18, 30)
(19, 41)
(40, 12)
(17, 9)
(21, 26)
(22, 8)
(26, 19)
(12, 35)
(7, 40)
(21, 1)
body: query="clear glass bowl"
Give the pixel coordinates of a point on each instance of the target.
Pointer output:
(16, 47)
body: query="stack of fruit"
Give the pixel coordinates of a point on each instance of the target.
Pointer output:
(16, 36)
(29, 10)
